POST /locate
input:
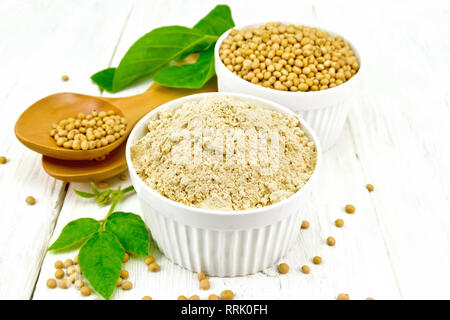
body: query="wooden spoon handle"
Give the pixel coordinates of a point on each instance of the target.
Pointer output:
(135, 107)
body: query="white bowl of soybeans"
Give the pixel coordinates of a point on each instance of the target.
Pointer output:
(312, 71)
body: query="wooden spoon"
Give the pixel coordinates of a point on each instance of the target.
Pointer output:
(87, 170)
(34, 125)
(133, 108)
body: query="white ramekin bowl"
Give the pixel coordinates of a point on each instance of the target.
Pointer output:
(325, 110)
(220, 243)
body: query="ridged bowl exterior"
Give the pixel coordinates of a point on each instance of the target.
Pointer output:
(328, 122)
(221, 253)
(221, 243)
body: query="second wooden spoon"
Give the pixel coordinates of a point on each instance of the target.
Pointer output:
(34, 125)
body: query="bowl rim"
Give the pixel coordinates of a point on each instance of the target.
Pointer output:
(143, 121)
(342, 86)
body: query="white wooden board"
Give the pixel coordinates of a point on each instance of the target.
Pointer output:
(395, 246)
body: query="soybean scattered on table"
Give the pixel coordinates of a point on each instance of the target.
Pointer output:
(30, 200)
(51, 283)
(343, 296)
(149, 260)
(331, 241)
(339, 223)
(349, 208)
(85, 291)
(201, 276)
(124, 274)
(153, 267)
(317, 260)
(306, 269)
(283, 268)
(127, 285)
(227, 295)
(204, 284)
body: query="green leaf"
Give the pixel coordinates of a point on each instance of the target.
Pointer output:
(100, 260)
(189, 75)
(84, 194)
(162, 46)
(105, 197)
(130, 230)
(94, 188)
(128, 189)
(104, 78)
(75, 233)
(155, 50)
(217, 21)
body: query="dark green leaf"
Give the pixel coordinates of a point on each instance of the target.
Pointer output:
(189, 75)
(155, 50)
(162, 46)
(158, 48)
(84, 194)
(100, 260)
(75, 233)
(130, 230)
(104, 78)
(217, 21)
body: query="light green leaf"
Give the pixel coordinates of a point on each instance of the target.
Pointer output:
(84, 194)
(130, 230)
(100, 260)
(192, 76)
(217, 21)
(105, 197)
(75, 233)
(155, 50)
(104, 78)
(94, 188)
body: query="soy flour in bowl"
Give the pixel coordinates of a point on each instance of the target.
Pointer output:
(222, 153)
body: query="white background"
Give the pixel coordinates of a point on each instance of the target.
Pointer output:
(397, 137)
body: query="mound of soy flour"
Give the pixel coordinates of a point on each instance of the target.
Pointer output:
(222, 153)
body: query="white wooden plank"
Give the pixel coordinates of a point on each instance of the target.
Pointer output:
(400, 130)
(358, 265)
(41, 41)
